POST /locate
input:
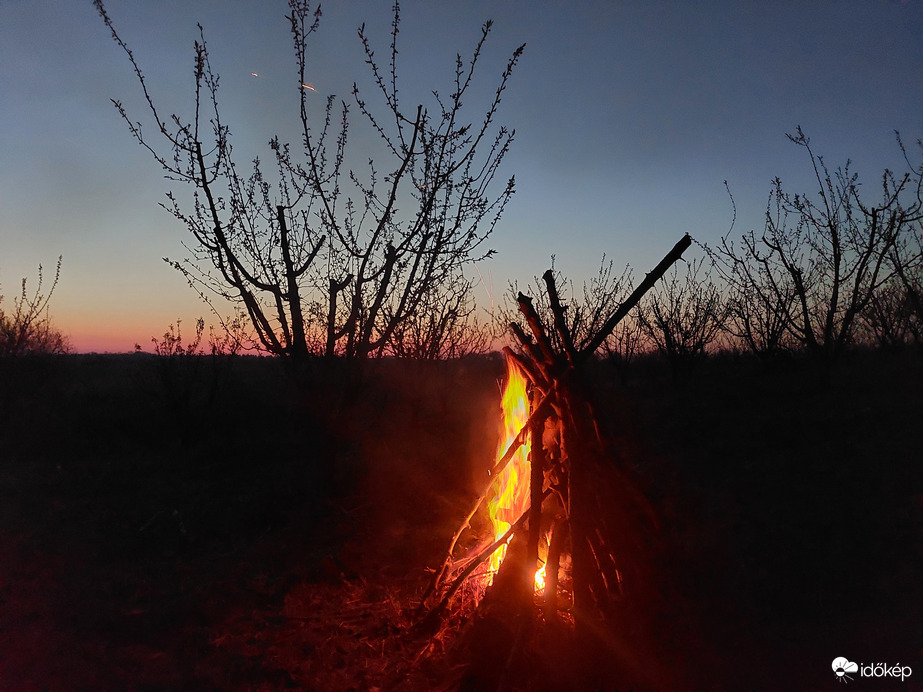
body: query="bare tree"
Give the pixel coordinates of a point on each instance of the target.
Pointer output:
(907, 255)
(820, 260)
(908, 265)
(758, 299)
(322, 260)
(443, 326)
(911, 277)
(758, 295)
(684, 315)
(28, 328)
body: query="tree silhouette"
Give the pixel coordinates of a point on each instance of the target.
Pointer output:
(821, 260)
(683, 316)
(330, 259)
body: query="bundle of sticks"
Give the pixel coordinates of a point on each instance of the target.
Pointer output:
(581, 500)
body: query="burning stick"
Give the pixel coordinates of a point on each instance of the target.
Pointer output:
(528, 368)
(536, 496)
(538, 414)
(478, 559)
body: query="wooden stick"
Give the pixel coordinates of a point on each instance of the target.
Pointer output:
(533, 351)
(483, 555)
(522, 626)
(560, 320)
(536, 484)
(559, 531)
(526, 341)
(529, 368)
(538, 329)
(636, 295)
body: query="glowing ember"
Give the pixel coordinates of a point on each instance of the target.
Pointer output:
(540, 580)
(512, 485)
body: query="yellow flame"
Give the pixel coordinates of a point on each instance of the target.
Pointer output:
(540, 580)
(512, 484)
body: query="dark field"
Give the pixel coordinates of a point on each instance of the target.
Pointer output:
(202, 524)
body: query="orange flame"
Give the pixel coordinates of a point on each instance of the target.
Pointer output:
(512, 484)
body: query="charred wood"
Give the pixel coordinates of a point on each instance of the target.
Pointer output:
(559, 531)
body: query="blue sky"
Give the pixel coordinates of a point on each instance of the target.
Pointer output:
(629, 116)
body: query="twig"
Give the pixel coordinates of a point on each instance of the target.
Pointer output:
(483, 555)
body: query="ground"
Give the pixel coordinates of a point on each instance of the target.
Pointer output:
(203, 524)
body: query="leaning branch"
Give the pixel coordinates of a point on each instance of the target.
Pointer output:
(675, 254)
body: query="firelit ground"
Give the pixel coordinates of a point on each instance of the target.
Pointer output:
(204, 524)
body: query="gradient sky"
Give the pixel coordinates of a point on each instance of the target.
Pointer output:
(628, 115)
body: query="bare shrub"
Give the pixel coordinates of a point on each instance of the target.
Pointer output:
(28, 329)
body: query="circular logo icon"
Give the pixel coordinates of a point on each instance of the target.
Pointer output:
(841, 666)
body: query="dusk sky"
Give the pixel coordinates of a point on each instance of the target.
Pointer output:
(629, 117)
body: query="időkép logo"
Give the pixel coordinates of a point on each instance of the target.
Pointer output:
(845, 670)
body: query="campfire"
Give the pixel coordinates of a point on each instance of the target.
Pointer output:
(566, 515)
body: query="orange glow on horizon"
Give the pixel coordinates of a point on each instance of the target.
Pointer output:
(104, 343)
